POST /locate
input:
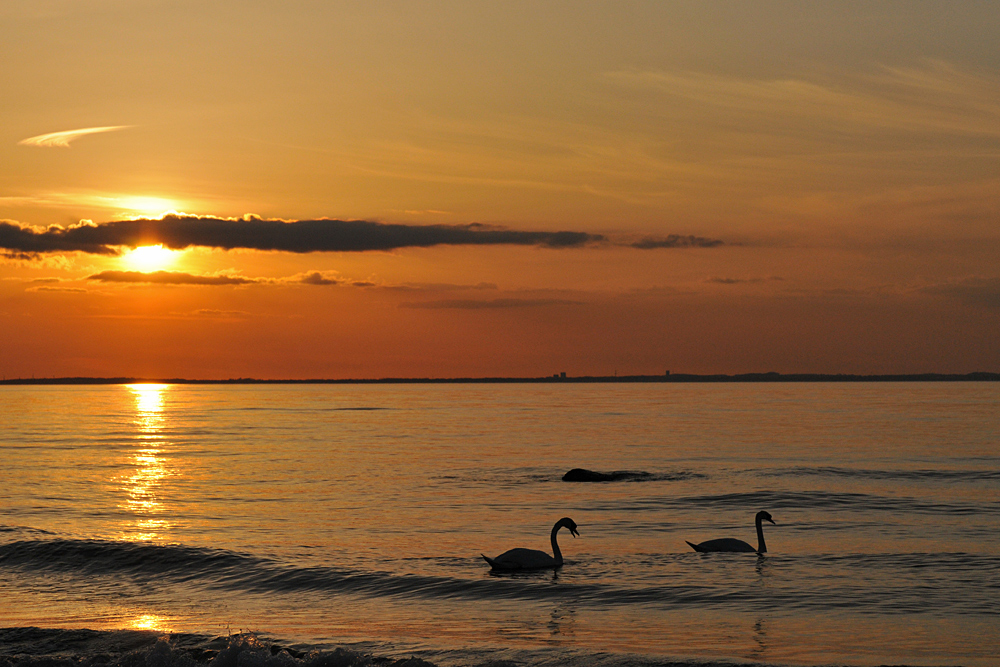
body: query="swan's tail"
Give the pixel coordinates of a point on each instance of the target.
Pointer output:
(488, 560)
(693, 546)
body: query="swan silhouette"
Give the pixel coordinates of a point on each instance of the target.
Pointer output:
(533, 559)
(731, 544)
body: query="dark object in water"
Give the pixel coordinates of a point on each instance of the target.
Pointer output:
(533, 559)
(584, 475)
(733, 545)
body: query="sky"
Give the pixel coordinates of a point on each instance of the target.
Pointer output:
(219, 189)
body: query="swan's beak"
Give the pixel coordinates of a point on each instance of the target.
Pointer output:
(572, 531)
(772, 521)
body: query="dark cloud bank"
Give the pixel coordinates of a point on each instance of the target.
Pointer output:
(301, 236)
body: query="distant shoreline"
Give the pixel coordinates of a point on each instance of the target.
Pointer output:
(550, 379)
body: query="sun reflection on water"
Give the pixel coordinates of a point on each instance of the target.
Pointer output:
(149, 465)
(148, 405)
(149, 622)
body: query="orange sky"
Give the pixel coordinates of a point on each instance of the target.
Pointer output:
(373, 189)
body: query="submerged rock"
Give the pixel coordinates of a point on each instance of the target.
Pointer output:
(584, 475)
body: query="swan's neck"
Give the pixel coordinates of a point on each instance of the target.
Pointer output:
(761, 547)
(555, 545)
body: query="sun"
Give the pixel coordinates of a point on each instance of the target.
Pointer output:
(149, 258)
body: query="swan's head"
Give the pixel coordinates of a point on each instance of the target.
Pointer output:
(764, 516)
(567, 522)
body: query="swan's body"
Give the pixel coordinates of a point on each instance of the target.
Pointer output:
(724, 544)
(533, 559)
(733, 545)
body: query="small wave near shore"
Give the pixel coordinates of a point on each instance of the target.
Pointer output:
(40, 647)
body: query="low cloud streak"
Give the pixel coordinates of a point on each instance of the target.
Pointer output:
(317, 278)
(975, 291)
(675, 241)
(169, 278)
(722, 280)
(475, 304)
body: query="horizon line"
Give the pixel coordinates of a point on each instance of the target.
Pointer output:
(668, 377)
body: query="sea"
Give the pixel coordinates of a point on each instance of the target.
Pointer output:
(320, 525)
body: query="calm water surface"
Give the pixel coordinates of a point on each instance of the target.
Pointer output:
(325, 516)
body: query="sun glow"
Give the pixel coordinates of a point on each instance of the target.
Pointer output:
(145, 206)
(150, 258)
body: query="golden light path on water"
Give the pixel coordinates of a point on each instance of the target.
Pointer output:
(149, 466)
(142, 488)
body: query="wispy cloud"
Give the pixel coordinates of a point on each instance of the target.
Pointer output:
(977, 291)
(124, 204)
(933, 97)
(439, 287)
(214, 312)
(63, 139)
(475, 304)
